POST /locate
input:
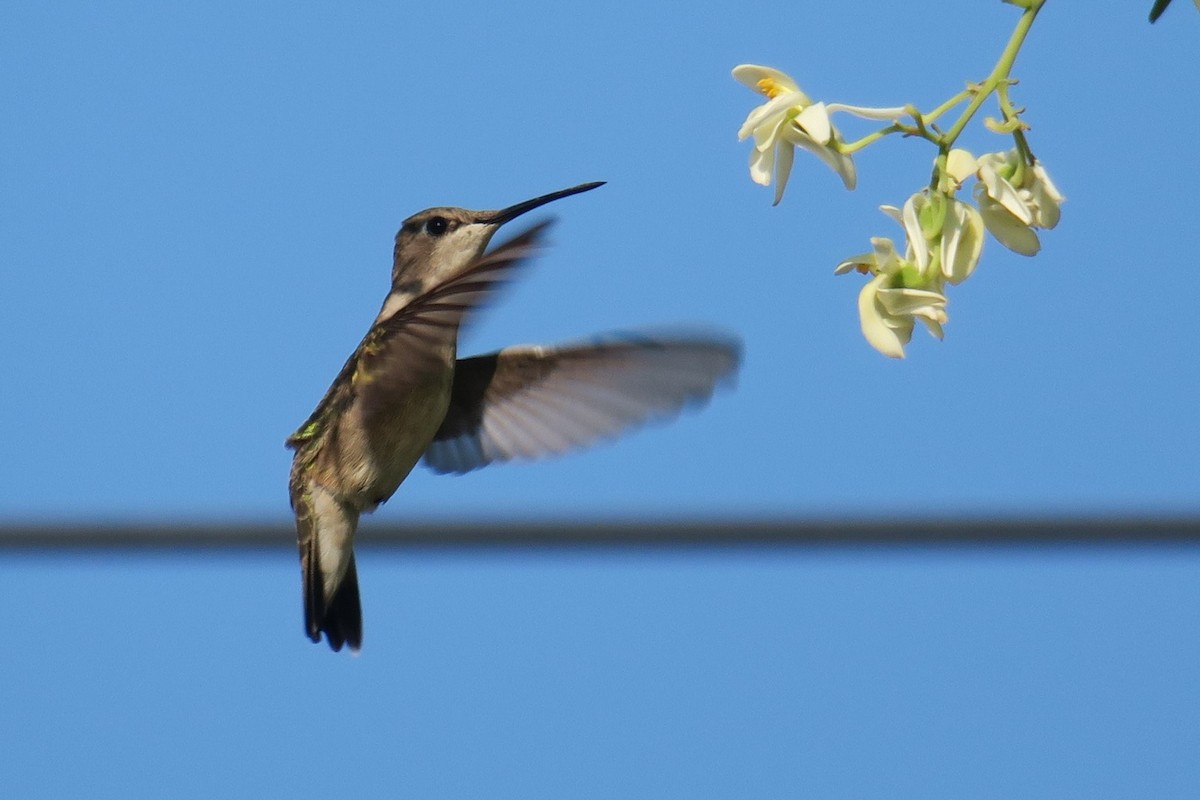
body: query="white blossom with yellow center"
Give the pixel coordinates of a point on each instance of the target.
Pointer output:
(790, 119)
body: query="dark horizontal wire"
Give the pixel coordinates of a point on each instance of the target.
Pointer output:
(1033, 531)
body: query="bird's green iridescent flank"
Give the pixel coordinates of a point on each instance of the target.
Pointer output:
(305, 433)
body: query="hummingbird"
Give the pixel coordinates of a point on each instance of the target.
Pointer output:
(404, 396)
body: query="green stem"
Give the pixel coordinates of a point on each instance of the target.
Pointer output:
(999, 74)
(859, 144)
(932, 116)
(1023, 146)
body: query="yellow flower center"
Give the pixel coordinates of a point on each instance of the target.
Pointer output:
(770, 87)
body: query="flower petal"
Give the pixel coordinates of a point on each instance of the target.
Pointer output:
(888, 339)
(762, 165)
(866, 112)
(934, 327)
(912, 229)
(862, 261)
(886, 258)
(962, 241)
(960, 165)
(768, 133)
(773, 113)
(840, 163)
(1047, 198)
(1006, 228)
(1004, 193)
(784, 155)
(893, 213)
(814, 120)
(750, 74)
(899, 302)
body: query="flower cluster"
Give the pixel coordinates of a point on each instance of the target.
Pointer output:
(943, 234)
(944, 239)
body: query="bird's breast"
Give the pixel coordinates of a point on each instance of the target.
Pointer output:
(372, 451)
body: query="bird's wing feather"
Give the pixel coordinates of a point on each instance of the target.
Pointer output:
(527, 402)
(400, 350)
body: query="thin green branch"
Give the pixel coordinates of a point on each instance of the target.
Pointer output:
(1000, 73)
(931, 117)
(859, 144)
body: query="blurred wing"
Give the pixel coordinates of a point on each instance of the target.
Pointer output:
(527, 402)
(403, 349)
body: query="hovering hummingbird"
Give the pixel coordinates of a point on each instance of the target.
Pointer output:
(404, 395)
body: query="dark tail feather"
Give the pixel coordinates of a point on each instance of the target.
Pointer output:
(341, 618)
(338, 616)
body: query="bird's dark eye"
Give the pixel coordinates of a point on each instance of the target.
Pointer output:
(437, 226)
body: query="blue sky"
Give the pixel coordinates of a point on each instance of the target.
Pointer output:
(197, 205)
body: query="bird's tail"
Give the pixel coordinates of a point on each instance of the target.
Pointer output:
(325, 530)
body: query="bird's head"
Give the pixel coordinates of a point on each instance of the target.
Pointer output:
(438, 243)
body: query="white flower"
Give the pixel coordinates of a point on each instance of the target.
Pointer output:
(945, 235)
(790, 119)
(1015, 198)
(888, 313)
(887, 308)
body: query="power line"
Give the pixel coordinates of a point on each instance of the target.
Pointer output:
(934, 532)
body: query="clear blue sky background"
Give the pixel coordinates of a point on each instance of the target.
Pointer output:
(197, 203)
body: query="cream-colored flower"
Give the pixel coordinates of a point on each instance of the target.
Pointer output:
(888, 308)
(888, 313)
(790, 119)
(1015, 198)
(945, 235)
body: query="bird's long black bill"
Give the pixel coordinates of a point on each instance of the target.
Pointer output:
(512, 212)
